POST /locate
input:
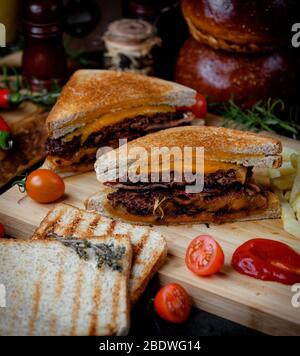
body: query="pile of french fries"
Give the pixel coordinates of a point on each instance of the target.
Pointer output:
(285, 182)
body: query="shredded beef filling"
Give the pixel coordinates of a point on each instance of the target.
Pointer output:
(222, 194)
(173, 202)
(110, 135)
(213, 182)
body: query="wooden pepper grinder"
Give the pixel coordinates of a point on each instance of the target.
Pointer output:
(44, 58)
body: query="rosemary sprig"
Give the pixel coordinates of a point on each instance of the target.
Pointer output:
(263, 115)
(5, 76)
(106, 254)
(46, 99)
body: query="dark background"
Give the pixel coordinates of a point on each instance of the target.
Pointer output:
(145, 322)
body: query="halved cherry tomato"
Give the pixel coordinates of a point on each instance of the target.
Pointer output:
(204, 256)
(172, 303)
(2, 231)
(44, 186)
(199, 109)
(9, 99)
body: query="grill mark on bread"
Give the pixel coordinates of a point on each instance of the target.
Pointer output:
(55, 222)
(137, 248)
(115, 304)
(60, 278)
(53, 324)
(94, 224)
(36, 304)
(111, 227)
(73, 224)
(13, 320)
(138, 260)
(50, 226)
(96, 305)
(76, 299)
(59, 283)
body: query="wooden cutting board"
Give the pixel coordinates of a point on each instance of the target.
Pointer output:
(265, 306)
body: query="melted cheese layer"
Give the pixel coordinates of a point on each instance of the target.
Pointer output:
(114, 118)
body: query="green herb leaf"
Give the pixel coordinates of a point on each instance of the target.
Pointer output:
(263, 115)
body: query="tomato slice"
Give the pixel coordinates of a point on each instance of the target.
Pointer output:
(2, 231)
(204, 256)
(172, 303)
(44, 186)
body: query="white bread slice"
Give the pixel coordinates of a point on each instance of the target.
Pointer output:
(219, 143)
(50, 290)
(97, 92)
(149, 246)
(98, 202)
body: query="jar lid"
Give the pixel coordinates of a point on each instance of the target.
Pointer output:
(130, 31)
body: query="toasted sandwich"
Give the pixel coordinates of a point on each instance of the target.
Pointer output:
(149, 246)
(230, 193)
(98, 107)
(62, 286)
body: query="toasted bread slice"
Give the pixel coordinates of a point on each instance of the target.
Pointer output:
(50, 290)
(98, 202)
(149, 246)
(220, 145)
(89, 94)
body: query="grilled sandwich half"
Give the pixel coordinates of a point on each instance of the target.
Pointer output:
(62, 286)
(149, 246)
(98, 107)
(230, 193)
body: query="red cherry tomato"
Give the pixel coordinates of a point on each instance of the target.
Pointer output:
(44, 186)
(204, 256)
(199, 109)
(4, 98)
(2, 231)
(172, 303)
